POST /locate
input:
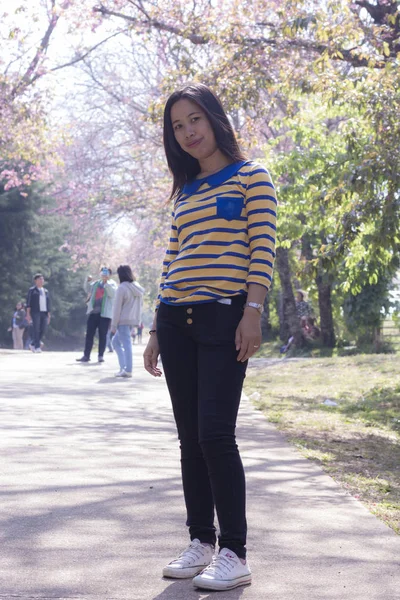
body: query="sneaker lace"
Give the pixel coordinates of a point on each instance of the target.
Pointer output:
(221, 565)
(192, 552)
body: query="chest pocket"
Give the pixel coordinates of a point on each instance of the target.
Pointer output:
(229, 207)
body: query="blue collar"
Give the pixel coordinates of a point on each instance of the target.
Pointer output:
(213, 180)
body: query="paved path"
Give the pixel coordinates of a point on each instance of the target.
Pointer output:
(91, 504)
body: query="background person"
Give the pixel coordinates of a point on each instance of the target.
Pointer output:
(309, 329)
(303, 312)
(303, 308)
(38, 311)
(217, 270)
(127, 313)
(99, 310)
(140, 333)
(18, 324)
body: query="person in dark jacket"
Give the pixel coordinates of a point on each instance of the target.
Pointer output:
(38, 311)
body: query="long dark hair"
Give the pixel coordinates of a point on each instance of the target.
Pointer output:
(183, 166)
(125, 274)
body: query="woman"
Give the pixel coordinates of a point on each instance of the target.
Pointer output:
(217, 270)
(126, 314)
(303, 309)
(18, 324)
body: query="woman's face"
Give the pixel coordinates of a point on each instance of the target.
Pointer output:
(19, 306)
(192, 129)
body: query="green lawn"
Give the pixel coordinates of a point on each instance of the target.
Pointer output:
(357, 441)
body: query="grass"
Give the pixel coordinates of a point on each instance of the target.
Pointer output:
(357, 441)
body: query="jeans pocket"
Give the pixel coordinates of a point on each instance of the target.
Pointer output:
(227, 319)
(229, 207)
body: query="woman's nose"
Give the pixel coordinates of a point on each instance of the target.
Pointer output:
(189, 132)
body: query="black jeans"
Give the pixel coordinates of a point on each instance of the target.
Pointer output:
(205, 383)
(39, 326)
(95, 321)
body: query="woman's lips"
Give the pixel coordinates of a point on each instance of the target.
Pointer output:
(193, 144)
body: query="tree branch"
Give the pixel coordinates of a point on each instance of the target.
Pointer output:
(154, 23)
(348, 56)
(112, 93)
(141, 8)
(82, 57)
(26, 79)
(378, 12)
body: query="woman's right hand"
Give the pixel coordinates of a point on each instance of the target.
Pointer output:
(150, 356)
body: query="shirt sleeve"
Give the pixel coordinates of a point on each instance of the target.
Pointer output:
(29, 299)
(139, 290)
(261, 207)
(117, 307)
(171, 253)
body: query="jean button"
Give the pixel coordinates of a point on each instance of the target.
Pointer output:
(189, 321)
(189, 311)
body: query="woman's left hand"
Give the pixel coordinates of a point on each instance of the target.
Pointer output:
(248, 334)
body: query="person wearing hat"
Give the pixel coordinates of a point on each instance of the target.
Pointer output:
(99, 310)
(303, 308)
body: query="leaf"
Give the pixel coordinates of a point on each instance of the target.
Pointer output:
(386, 49)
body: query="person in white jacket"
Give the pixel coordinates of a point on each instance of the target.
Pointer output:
(127, 313)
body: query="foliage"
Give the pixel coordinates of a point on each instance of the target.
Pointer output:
(31, 241)
(365, 311)
(318, 81)
(335, 200)
(243, 46)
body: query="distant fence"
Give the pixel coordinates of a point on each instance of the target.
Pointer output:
(391, 333)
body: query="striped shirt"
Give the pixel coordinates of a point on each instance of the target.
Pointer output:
(222, 236)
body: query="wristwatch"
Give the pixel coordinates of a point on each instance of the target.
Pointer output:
(259, 307)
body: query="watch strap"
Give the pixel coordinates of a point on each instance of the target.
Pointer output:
(258, 307)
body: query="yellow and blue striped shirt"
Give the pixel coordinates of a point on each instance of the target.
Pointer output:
(222, 236)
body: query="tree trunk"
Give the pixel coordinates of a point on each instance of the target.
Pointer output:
(265, 324)
(377, 338)
(289, 305)
(283, 326)
(325, 312)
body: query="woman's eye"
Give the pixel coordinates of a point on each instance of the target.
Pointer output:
(177, 127)
(195, 119)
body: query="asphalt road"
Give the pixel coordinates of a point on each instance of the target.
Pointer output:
(91, 504)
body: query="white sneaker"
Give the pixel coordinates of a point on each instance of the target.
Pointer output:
(119, 374)
(224, 573)
(126, 374)
(38, 351)
(191, 561)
